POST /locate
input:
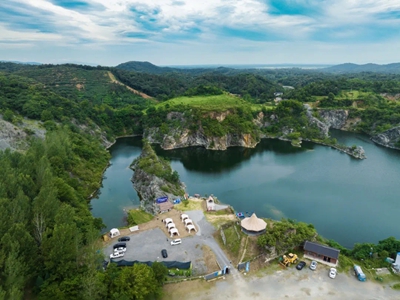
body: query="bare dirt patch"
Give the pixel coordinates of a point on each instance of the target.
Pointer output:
(182, 289)
(209, 259)
(114, 80)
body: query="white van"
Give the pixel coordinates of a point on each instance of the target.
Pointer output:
(176, 242)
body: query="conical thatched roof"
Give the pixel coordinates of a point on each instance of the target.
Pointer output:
(253, 223)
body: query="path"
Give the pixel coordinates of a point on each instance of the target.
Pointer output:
(205, 233)
(114, 80)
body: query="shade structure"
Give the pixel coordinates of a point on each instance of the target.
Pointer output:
(188, 221)
(171, 225)
(190, 228)
(253, 225)
(167, 221)
(114, 232)
(173, 232)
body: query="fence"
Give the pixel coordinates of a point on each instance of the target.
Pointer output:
(168, 264)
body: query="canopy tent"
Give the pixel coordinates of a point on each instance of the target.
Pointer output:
(173, 232)
(171, 225)
(184, 217)
(167, 221)
(188, 221)
(210, 203)
(190, 228)
(253, 225)
(114, 232)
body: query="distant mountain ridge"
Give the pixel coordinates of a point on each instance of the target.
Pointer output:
(393, 68)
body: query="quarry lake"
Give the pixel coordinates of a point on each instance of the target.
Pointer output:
(347, 200)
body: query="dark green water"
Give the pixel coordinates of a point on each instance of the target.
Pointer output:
(347, 200)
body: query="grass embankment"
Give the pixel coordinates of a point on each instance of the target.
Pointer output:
(207, 103)
(138, 216)
(190, 204)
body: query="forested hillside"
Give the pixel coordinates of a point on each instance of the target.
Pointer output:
(47, 234)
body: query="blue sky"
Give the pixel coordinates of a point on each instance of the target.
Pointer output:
(179, 32)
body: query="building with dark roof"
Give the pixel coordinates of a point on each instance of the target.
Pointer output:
(321, 253)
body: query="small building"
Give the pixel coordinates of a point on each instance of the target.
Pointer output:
(165, 206)
(253, 225)
(210, 203)
(114, 232)
(321, 253)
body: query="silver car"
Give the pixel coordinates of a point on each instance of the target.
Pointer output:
(313, 265)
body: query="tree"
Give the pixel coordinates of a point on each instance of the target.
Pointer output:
(160, 272)
(136, 283)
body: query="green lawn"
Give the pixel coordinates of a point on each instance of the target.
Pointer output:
(210, 103)
(138, 216)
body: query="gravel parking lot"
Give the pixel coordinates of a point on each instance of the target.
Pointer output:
(284, 284)
(147, 245)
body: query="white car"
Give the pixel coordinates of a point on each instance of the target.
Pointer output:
(332, 273)
(120, 249)
(117, 254)
(313, 265)
(176, 242)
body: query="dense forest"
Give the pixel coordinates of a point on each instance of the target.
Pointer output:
(49, 246)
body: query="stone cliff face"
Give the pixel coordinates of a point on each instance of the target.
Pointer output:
(14, 137)
(390, 138)
(334, 118)
(323, 127)
(150, 187)
(183, 137)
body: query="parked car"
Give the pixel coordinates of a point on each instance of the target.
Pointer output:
(120, 249)
(117, 254)
(176, 242)
(300, 265)
(332, 273)
(124, 239)
(164, 253)
(313, 265)
(119, 245)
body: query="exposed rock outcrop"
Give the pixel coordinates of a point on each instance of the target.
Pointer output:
(388, 138)
(149, 186)
(323, 127)
(15, 137)
(334, 118)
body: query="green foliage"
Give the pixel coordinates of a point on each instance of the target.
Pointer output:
(139, 282)
(152, 164)
(46, 225)
(286, 234)
(203, 90)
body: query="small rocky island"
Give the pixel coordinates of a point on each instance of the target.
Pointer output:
(154, 178)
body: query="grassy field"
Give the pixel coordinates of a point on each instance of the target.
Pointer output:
(138, 216)
(191, 204)
(212, 103)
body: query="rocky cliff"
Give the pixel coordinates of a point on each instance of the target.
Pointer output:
(15, 137)
(389, 138)
(181, 136)
(153, 178)
(334, 118)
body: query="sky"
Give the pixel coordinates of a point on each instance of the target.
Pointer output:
(199, 32)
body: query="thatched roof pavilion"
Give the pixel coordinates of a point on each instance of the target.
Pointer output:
(253, 225)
